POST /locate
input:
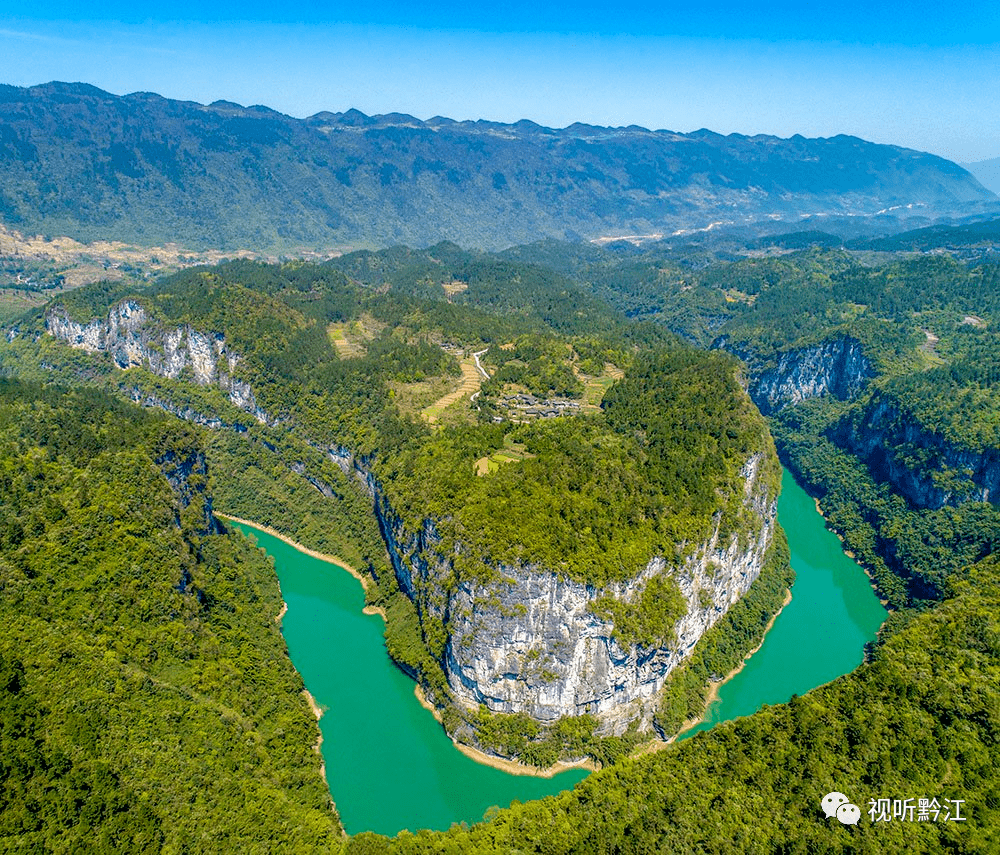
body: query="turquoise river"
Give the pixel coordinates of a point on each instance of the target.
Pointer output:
(390, 765)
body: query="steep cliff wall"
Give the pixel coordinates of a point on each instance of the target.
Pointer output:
(922, 465)
(538, 647)
(532, 642)
(134, 339)
(836, 367)
(527, 640)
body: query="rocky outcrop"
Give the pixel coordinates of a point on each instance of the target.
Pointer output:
(526, 641)
(133, 339)
(538, 647)
(299, 468)
(187, 474)
(182, 411)
(835, 367)
(928, 470)
(531, 642)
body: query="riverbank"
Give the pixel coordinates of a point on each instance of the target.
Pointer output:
(850, 554)
(312, 553)
(713, 692)
(317, 711)
(371, 722)
(511, 767)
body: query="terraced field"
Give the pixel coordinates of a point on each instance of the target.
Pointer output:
(351, 338)
(472, 378)
(511, 453)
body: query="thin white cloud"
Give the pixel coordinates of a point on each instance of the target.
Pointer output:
(39, 37)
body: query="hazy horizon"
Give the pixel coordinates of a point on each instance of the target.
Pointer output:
(924, 82)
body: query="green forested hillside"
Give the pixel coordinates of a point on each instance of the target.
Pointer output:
(148, 701)
(926, 323)
(982, 236)
(774, 302)
(531, 293)
(928, 326)
(599, 494)
(592, 476)
(339, 360)
(82, 162)
(338, 363)
(910, 552)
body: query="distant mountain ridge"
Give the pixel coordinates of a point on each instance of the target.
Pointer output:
(987, 173)
(78, 161)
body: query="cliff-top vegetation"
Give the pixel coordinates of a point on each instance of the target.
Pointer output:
(918, 720)
(595, 496)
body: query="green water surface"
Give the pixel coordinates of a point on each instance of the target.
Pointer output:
(390, 765)
(820, 634)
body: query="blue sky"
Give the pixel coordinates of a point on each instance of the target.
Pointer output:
(912, 75)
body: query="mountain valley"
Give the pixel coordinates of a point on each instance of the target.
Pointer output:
(554, 460)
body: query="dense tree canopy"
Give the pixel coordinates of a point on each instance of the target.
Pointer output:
(128, 618)
(147, 698)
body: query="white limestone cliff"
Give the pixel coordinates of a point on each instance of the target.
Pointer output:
(133, 339)
(531, 642)
(835, 367)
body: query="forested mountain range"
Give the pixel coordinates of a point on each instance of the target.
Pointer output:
(134, 621)
(360, 350)
(81, 162)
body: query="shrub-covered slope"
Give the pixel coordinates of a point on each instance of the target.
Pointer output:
(148, 699)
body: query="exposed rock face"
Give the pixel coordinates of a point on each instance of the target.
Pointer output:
(187, 475)
(922, 465)
(946, 475)
(133, 339)
(531, 642)
(539, 649)
(836, 367)
(189, 414)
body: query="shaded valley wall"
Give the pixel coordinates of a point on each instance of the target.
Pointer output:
(929, 471)
(918, 462)
(836, 367)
